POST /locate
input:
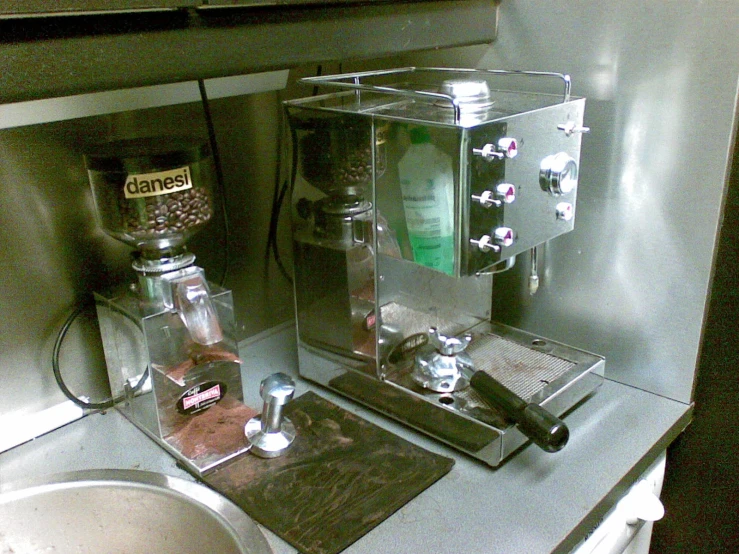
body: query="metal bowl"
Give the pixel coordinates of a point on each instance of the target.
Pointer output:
(123, 511)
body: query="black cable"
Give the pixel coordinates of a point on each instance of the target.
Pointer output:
(287, 186)
(279, 193)
(319, 72)
(278, 197)
(272, 230)
(219, 176)
(294, 161)
(103, 405)
(275, 249)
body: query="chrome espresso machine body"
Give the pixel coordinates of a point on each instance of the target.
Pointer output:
(413, 187)
(169, 338)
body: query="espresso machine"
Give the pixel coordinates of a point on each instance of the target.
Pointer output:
(413, 187)
(168, 338)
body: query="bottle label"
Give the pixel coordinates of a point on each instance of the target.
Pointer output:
(424, 209)
(427, 189)
(434, 252)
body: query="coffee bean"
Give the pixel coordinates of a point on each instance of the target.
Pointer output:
(338, 157)
(171, 213)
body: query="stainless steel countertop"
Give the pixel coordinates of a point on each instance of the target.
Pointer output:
(534, 503)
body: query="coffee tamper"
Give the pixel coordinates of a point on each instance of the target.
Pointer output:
(270, 434)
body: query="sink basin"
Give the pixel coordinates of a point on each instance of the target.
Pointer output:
(122, 511)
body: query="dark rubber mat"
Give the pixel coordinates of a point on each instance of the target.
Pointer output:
(342, 477)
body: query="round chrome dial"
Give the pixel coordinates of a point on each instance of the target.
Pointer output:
(558, 174)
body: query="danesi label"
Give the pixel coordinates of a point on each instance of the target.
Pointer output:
(201, 397)
(144, 185)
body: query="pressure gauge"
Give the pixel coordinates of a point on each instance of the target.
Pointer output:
(558, 174)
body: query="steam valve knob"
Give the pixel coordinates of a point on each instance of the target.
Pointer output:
(485, 244)
(504, 193)
(271, 434)
(571, 128)
(504, 236)
(506, 147)
(564, 211)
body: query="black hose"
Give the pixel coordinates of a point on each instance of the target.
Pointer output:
(219, 176)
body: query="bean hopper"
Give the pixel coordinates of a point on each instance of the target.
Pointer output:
(414, 186)
(168, 338)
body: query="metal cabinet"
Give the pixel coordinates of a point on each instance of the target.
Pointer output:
(21, 8)
(28, 8)
(59, 56)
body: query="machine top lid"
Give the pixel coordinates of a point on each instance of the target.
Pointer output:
(470, 95)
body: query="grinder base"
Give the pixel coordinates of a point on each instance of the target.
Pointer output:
(190, 401)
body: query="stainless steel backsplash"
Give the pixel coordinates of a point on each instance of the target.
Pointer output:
(632, 280)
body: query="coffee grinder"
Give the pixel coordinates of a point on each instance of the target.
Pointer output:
(168, 339)
(413, 187)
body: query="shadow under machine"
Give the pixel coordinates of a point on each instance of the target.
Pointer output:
(413, 187)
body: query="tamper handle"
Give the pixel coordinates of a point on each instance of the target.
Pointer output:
(544, 429)
(270, 433)
(276, 391)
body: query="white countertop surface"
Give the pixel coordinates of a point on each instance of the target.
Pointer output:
(534, 503)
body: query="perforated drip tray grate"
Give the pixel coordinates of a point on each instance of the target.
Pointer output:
(519, 368)
(538, 370)
(531, 367)
(525, 364)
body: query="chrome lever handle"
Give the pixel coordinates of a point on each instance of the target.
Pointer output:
(195, 307)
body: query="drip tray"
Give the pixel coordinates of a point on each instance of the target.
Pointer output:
(538, 370)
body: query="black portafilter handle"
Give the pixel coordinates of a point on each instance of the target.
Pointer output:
(545, 430)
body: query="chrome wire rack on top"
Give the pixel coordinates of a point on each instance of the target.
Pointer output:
(354, 81)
